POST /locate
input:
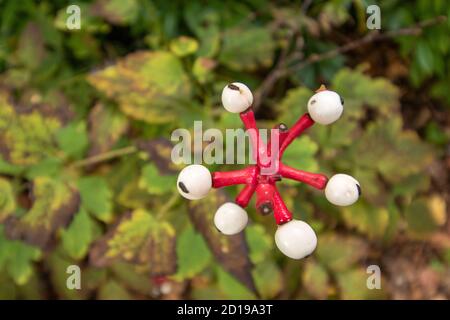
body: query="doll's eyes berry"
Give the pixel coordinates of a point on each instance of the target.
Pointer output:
(230, 218)
(296, 239)
(236, 97)
(194, 182)
(342, 190)
(325, 107)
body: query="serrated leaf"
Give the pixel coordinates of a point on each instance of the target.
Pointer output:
(7, 199)
(247, 48)
(301, 154)
(398, 153)
(78, 236)
(27, 134)
(16, 258)
(192, 254)
(106, 126)
(183, 46)
(294, 102)
(149, 86)
(55, 203)
(359, 90)
(425, 215)
(96, 197)
(315, 279)
(338, 253)
(369, 220)
(154, 182)
(230, 251)
(140, 239)
(73, 139)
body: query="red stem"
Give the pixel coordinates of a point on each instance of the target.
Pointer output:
(248, 119)
(299, 127)
(244, 197)
(281, 212)
(316, 180)
(228, 178)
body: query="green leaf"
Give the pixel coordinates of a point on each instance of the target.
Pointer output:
(338, 253)
(78, 236)
(183, 46)
(115, 11)
(16, 258)
(140, 239)
(154, 182)
(353, 286)
(73, 139)
(106, 126)
(203, 69)
(192, 254)
(301, 154)
(55, 203)
(232, 288)
(113, 290)
(247, 48)
(424, 56)
(398, 153)
(315, 279)
(49, 167)
(259, 242)
(369, 220)
(268, 279)
(27, 135)
(425, 215)
(230, 251)
(96, 197)
(359, 90)
(295, 101)
(148, 86)
(90, 22)
(7, 199)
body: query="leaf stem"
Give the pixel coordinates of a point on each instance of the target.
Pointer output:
(102, 157)
(169, 204)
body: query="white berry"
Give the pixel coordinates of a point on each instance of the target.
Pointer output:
(194, 182)
(230, 218)
(236, 97)
(296, 239)
(342, 190)
(325, 107)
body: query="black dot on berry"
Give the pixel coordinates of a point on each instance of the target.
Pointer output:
(183, 187)
(313, 101)
(359, 189)
(233, 87)
(342, 100)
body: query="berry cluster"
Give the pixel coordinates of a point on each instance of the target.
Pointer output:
(294, 238)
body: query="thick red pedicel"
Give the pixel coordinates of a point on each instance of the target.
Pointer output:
(257, 179)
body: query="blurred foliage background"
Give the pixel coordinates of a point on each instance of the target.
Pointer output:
(85, 122)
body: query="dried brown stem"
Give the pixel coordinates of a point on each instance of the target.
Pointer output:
(281, 69)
